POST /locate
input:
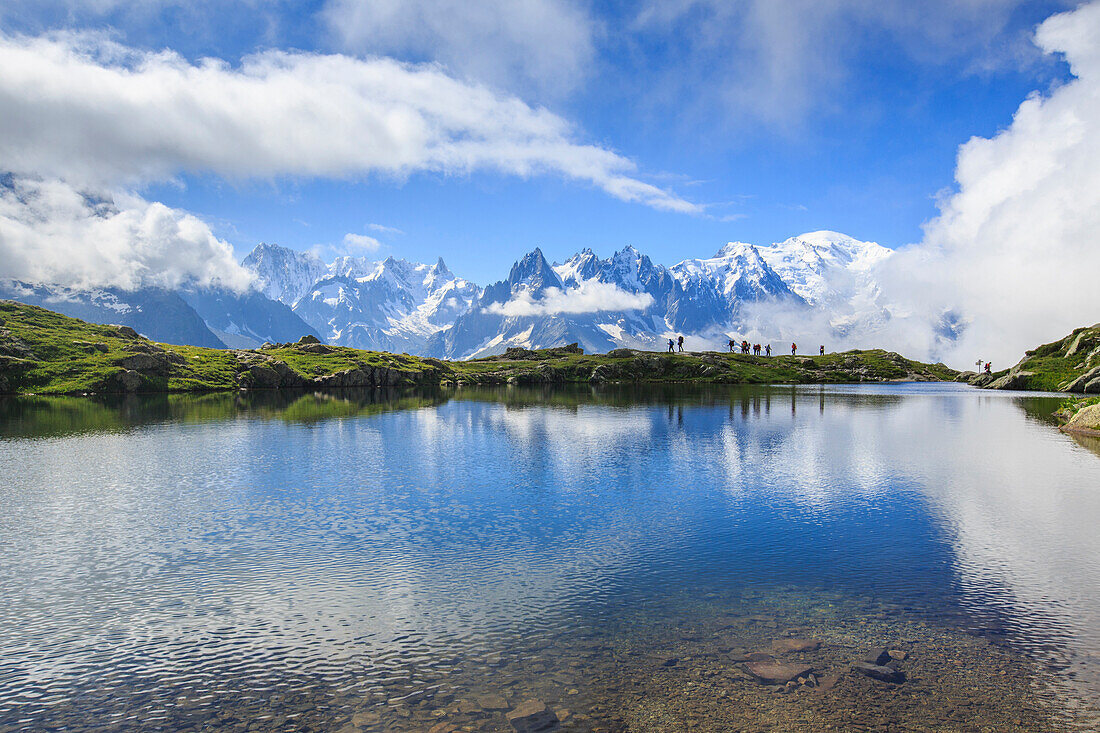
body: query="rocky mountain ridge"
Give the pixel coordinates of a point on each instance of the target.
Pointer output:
(621, 301)
(43, 352)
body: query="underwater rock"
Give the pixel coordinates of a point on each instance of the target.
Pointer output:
(777, 673)
(532, 716)
(877, 656)
(796, 645)
(880, 672)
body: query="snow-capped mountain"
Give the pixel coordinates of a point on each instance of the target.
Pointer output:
(395, 306)
(602, 303)
(392, 305)
(692, 297)
(836, 274)
(822, 283)
(490, 326)
(284, 274)
(825, 267)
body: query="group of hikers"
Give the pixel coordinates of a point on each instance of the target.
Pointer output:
(678, 345)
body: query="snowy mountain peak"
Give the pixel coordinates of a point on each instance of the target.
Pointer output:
(834, 249)
(826, 267)
(738, 271)
(534, 272)
(731, 248)
(581, 266)
(284, 274)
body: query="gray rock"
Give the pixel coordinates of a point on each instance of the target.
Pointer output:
(316, 349)
(353, 378)
(1015, 379)
(980, 380)
(1087, 420)
(602, 373)
(533, 716)
(125, 381)
(127, 332)
(149, 363)
(1081, 383)
(100, 347)
(287, 376)
(264, 377)
(878, 655)
(777, 673)
(308, 339)
(784, 646)
(493, 702)
(880, 672)
(620, 353)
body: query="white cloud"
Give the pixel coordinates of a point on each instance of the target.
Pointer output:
(1016, 249)
(51, 232)
(533, 45)
(361, 242)
(89, 111)
(384, 229)
(590, 296)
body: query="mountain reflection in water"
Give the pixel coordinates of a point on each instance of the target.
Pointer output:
(260, 548)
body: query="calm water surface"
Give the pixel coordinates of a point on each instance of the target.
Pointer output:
(404, 561)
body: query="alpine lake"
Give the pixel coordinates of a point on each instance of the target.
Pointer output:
(663, 558)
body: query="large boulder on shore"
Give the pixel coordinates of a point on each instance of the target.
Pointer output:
(1087, 420)
(125, 381)
(155, 363)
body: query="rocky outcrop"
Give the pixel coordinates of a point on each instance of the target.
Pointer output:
(1017, 378)
(1088, 383)
(126, 380)
(1046, 367)
(1086, 421)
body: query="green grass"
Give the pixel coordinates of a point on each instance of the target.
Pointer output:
(66, 360)
(1054, 367)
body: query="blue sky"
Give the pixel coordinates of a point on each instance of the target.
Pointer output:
(774, 118)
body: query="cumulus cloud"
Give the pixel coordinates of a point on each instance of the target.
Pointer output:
(53, 233)
(84, 109)
(361, 242)
(1013, 256)
(590, 296)
(534, 45)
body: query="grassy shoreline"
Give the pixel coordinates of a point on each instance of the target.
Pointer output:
(42, 352)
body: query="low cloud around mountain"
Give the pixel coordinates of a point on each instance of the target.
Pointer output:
(590, 296)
